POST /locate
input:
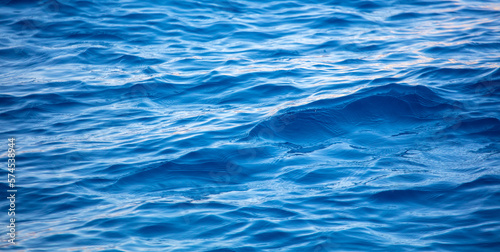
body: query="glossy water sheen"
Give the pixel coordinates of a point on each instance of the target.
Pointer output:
(252, 125)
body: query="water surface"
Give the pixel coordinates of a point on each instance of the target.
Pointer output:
(253, 125)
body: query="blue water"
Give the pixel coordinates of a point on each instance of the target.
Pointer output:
(252, 125)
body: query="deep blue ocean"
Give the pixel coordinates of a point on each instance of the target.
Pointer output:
(233, 125)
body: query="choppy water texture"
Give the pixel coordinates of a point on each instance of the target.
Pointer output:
(252, 125)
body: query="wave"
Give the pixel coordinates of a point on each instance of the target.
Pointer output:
(392, 107)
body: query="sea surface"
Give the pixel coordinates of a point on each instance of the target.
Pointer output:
(251, 125)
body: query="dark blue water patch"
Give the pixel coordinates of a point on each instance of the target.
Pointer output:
(409, 15)
(100, 56)
(478, 126)
(485, 88)
(324, 120)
